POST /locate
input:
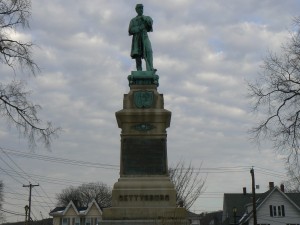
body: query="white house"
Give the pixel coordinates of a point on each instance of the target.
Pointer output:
(72, 215)
(274, 207)
(194, 219)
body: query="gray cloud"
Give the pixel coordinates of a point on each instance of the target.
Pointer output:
(204, 51)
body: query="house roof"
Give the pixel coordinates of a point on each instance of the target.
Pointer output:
(268, 194)
(211, 218)
(295, 197)
(191, 214)
(90, 206)
(57, 209)
(60, 211)
(240, 201)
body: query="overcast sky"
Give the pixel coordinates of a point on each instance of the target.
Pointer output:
(205, 52)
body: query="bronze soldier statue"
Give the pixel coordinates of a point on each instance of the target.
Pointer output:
(141, 45)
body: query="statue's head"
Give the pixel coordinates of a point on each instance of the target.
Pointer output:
(139, 8)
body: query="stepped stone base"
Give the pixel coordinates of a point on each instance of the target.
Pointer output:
(145, 222)
(136, 213)
(144, 198)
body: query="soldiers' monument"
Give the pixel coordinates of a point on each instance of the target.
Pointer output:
(144, 193)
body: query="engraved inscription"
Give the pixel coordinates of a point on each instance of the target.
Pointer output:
(144, 156)
(130, 198)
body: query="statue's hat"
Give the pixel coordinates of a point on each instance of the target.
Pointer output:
(139, 5)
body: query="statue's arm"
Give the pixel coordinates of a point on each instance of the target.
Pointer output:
(148, 23)
(133, 28)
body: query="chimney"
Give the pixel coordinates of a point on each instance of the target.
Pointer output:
(271, 185)
(244, 190)
(282, 187)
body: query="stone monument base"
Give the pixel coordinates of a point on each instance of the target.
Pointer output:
(147, 198)
(134, 213)
(159, 221)
(145, 222)
(144, 194)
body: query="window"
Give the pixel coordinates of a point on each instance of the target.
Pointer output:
(88, 221)
(274, 211)
(283, 211)
(277, 211)
(98, 221)
(77, 221)
(64, 221)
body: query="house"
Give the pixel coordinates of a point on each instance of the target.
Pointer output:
(193, 218)
(73, 215)
(206, 218)
(274, 207)
(211, 218)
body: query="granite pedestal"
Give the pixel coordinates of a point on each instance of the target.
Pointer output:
(144, 193)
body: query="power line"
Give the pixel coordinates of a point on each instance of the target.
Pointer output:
(116, 167)
(9, 203)
(13, 169)
(22, 199)
(12, 212)
(15, 193)
(10, 176)
(65, 182)
(39, 195)
(26, 174)
(62, 160)
(44, 178)
(22, 176)
(19, 174)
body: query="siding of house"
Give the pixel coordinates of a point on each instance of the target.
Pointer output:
(93, 211)
(70, 213)
(292, 214)
(56, 221)
(94, 215)
(86, 216)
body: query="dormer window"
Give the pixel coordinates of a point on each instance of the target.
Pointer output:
(64, 221)
(277, 211)
(87, 221)
(77, 221)
(98, 221)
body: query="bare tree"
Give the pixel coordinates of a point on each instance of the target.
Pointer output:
(85, 193)
(188, 183)
(1, 201)
(15, 13)
(276, 97)
(68, 194)
(292, 185)
(15, 105)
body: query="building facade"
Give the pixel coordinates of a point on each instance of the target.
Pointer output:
(73, 215)
(274, 207)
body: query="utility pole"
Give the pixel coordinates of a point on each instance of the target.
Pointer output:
(253, 197)
(26, 213)
(29, 208)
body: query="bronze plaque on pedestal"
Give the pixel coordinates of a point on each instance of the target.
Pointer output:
(144, 156)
